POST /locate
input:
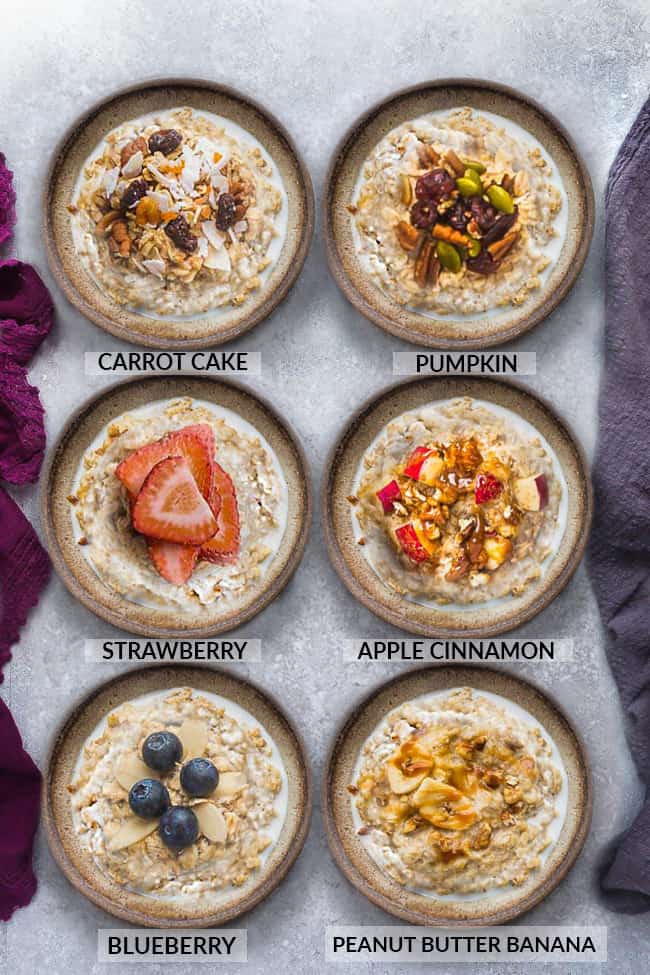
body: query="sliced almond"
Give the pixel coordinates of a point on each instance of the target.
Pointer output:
(194, 738)
(211, 822)
(130, 832)
(131, 769)
(230, 783)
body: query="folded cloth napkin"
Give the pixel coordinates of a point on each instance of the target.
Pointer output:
(26, 310)
(7, 202)
(22, 434)
(24, 571)
(20, 786)
(619, 555)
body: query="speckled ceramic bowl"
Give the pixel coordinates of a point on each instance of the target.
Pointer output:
(494, 907)
(168, 332)
(410, 103)
(61, 471)
(57, 811)
(487, 619)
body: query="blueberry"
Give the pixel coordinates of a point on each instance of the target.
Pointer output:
(162, 750)
(179, 827)
(148, 798)
(199, 777)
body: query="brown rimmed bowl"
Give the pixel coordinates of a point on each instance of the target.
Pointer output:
(78, 866)
(63, 463)
(496, 907)
(169, 332)
(410, 103)
(443, 621)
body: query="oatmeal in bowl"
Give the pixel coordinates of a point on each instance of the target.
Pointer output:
(176, 796)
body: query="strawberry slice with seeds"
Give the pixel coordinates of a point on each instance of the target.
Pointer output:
(170, 506)
(195, 443)
(174, 562)
(223, 547)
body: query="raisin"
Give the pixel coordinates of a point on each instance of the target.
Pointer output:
(484, 213)
(178, 230)
(226, 211)
(165, 141)
(434, 186)
(423, 214)
(455, 216)
(484, 263)
(134, 192)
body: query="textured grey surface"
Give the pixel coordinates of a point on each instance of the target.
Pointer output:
(317, 66)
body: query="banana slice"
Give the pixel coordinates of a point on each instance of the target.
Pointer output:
(130, 832)
(211, 822)
(131, 769)
(194, 738)
(402, 784)
(444, 806)
(230, 783)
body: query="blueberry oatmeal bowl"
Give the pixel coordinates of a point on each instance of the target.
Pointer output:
(184, 801)
(458, 213)
(186, 222)
(455, 507)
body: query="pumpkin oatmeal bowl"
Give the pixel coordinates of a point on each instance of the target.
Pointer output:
(178, 214)
(458, 213)
(456, 506)
(176, 505)
(457, 795)
(176, 796)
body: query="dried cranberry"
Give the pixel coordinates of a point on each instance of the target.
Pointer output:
(455, 216)
(423, 214)
(487, 488)
(134, 192)
(483, 263)
(435, 186)
(501, 227)
(179, 231)
(226, 211)
(484, 213)
(165, 141)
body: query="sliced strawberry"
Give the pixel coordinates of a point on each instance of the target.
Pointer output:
(173, 562)
(170, 506)
(223, 547)
(195, 443)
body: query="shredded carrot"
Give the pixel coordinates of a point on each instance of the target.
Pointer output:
(442, 232)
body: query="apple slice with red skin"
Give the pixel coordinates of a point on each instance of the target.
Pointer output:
(531, 493)
(388, 495)
(424, 465)
(413, 542)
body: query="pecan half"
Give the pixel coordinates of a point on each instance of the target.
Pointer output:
(130, 149)
(427, 265)
(407, 235)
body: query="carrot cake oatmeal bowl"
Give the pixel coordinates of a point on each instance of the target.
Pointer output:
(464, 221)
(456, 506)
(176, 504)
(185, 223)
(176, 795)
(457, 795)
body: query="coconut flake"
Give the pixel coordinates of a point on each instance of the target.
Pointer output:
(202, 247)
(212, 234)
(133, 166)
(171, 184)
(240, 227)
(111, 177)
(219, 181)
(218, 260)
(191, 169)
(155, 267)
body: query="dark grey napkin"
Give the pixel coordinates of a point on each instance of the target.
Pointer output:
(619, 555)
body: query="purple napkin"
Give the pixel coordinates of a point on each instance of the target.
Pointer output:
(26, 310)
(24, 570)
(7, 202)
(619, 555)
(22, 434)
(20, 786)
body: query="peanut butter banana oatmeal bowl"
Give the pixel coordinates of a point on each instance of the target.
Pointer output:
(176, 803)
(186, 503)
(463, 801)
(462, 222)
(461, 510)
(180, 218)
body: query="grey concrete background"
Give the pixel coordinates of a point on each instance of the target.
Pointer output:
(317, 66)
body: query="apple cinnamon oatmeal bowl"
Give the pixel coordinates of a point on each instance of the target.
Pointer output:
(181, 801)
(455, 506)
(457, 211)
(456, 794)
(178, 214)
(185, 505)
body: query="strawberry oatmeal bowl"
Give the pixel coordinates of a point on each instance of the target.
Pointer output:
(184, 223)
(184, 511)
